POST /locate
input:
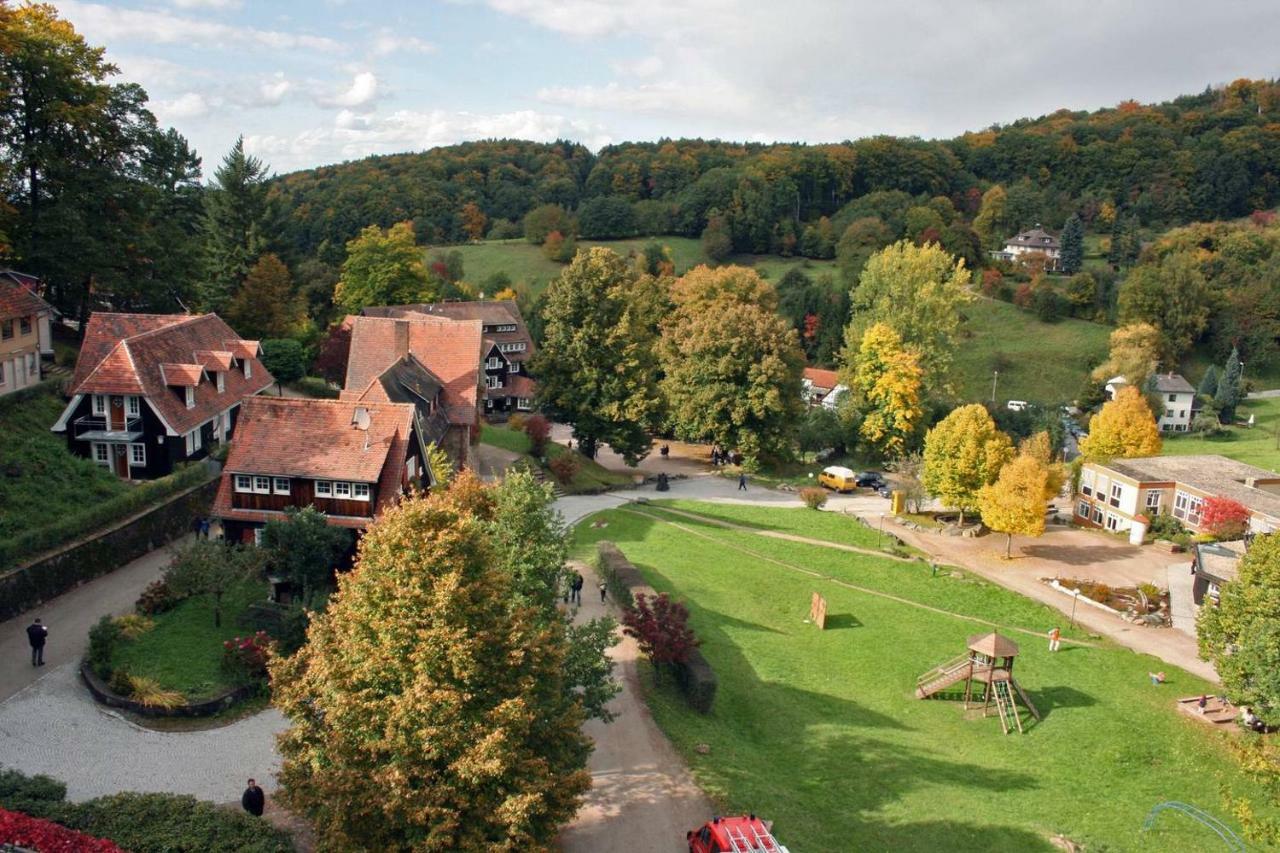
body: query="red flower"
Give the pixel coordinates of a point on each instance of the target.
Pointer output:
(48, 837)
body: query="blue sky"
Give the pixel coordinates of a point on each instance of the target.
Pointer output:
(317, 82)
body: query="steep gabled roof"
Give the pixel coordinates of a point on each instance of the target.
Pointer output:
(1034, 238)
(820, 378)
(490, 312)
(143, 353)
(18, 298)
(449, 349)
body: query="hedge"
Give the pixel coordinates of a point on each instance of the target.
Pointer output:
(27, 586)
(696, 678)
(144, 823)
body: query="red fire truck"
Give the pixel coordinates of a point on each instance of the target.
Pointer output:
(748, 834)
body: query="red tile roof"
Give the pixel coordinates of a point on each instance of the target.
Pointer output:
(17, 300)
(124, 354)
(450, 349)
(182, 375)
(215, 360)
(826, 379)
(490, 312)
(318, 439)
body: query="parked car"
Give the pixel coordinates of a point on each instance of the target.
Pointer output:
(870, 480)
(745, 834)
(838, 478)
(884, 492)
(1016, 405)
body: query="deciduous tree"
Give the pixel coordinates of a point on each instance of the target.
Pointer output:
(266, 306)
(383, 267)
(304, 548)
(660, 627)
(1135, 353)
(473, 219)
(1224, 518)
(1015, 502)
(717, 242)
(209, 567)
(426, 712)
(962, 453)
(888, 379)
(1124, 429)
(1173, 297)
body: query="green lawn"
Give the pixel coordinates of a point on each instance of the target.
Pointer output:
(40, 480)
(1259, 445)
(590, 477)
(184, 650)
(829, 526)
(820, 731)
(1040, 362)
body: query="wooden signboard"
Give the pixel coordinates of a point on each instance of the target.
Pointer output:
(818, 611)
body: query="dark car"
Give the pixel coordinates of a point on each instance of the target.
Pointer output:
(870, 480)
(884, 492)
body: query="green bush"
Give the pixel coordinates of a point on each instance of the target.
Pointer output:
(285, 358)
(102, 644)
(697, 682)
(29, 794)
(1165, 526)
(121, 683)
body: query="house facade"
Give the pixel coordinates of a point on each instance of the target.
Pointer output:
(1034, 241)
(350, 460)
(151, 390)
(26, 332)
(1177, 396)
(508, 346)
(1124, 494)
(447, 351)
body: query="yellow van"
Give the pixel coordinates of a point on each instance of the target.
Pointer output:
(839, 478)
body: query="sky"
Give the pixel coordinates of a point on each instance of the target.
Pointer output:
(323, 81)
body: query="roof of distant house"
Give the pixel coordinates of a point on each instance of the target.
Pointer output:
(1219, 560)
(449, 349)
(1212, 474)
(408, 381)
(822, 379)
(1173, 383)
(18, 296)
(1033, 238)
(144, 354)
(491, 312)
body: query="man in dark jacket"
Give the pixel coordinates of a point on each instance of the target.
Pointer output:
(578, 583)
(253, 800)
(36, 634)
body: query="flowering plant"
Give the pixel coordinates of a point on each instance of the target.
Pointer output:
(247, 656)
(48, 837)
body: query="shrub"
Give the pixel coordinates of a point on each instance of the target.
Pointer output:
(149, 693)
(133, 625)
(156, 598)
(1151, 592)
(1165, 526)
(245, 658)
(1224, 518)
(1048, 304)
(314, 386)
(660, 627)
(120, 682)
(697, 681)
(18, 791)
(31, 833)
(102, 643)
(505, 229)
(538, 428)
(564, 467)
(1022, 296)
(813, 497)
(516, 422)
(284, 358)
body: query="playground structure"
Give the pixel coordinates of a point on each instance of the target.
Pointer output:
(988, 665)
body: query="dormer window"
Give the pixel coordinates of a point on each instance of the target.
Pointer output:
(190, 397)
(222, 381)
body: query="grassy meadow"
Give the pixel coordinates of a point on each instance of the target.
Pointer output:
(1257, 445)
(820, 730)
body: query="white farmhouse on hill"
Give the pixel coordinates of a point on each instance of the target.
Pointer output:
(1032, 241)
(1177, 395)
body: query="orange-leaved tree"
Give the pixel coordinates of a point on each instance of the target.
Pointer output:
(1124, 429)
(1015, 502)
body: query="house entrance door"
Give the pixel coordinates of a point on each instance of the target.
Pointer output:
(120, 460)
(117, 414)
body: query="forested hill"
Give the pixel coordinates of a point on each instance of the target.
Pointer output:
(1210, 156)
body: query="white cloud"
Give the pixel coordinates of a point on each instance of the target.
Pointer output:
(186, 106)
(208, 4)
(362, 92)
(107, 24)
(387, 42)
(272, 90)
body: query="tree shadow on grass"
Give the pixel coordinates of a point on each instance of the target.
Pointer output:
(1049, 699)
(1080, 555)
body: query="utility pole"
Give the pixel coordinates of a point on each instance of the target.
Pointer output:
(995, 378)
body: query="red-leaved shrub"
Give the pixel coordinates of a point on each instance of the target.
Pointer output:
(1224, 518)
(247, 656)
(538, 428)
(660, 627)
(32, 833)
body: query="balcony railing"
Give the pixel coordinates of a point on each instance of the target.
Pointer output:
(81, 427)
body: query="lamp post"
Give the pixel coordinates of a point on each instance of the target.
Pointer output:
(1074, 598)
(995, 378)
(880, 535)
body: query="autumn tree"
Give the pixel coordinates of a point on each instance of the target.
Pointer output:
(1173, 297)
(962, 453)
(333, 352)
(717, 242)
(596, 366)
(991, 223)
(1135, 354)
(731, 364)
(266, 306)
(1015, 502)
(888, 381)
(1039, 446)
(383, 267)
(426, 711)
(917, 291)
(209, 567)
(660, 627)
(473, 219)
(1224, 518)
(1071, 255)
(544, 219)
(236, 224)
(1124, 429)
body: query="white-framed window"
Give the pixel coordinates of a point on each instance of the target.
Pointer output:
(280, 485)
(137, 454)
(1153, 499)
(257, 536)
(493, 363)
(1082, 509)
(1113, 521)
(523, 404)
(324, 489)
(1115, 494)
(513, 347)
(1173, 398)
(132, 406)
(488, 404)
(99, 404)
(194, 441)
(244, 483)
(24, 326)
(342, 491)
(360, 491)
(262, 485)
(513, 367)
(222, 381)
(1180, 500)
(1097, 515)
(507, 327)
(492, 382)
(191, 397)
(101, 453)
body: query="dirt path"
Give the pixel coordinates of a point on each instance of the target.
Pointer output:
(642, 796)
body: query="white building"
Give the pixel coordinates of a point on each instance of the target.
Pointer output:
(1034, 241)
(1176, 394)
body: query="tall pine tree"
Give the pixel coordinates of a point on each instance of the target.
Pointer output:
(1229, 392)
(1072, 246)
(236, 216)
(1209, 384)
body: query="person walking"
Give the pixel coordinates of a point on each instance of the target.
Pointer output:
(604, 591)
(37, 633)
(578, 583)
(253, 800)
(742, 482)
(1055, 638)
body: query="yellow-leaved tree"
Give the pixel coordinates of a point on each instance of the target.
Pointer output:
(1015, 502)
(962, 453)
(888, 380)
(1040, 447)
(1124, 429)
(1134, 354)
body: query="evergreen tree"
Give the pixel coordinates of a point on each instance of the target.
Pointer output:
(1229, 392)
(1125, 243)
(1209, 384)
(266, 306)
(1072, 246)
(236, 218)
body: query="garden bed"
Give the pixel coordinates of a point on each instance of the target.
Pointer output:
(1147, 604)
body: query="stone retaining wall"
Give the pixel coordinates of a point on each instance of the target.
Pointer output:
(102, 693)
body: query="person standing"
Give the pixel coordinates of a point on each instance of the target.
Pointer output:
(1055, 638)
(604, 591)
(742, 482)
(37, 633)
(578, 583)
(253, 800)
